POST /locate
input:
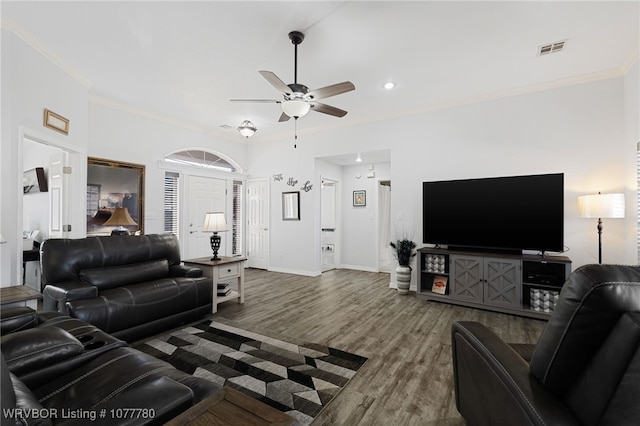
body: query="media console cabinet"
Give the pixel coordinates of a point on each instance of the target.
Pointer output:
(519, 284)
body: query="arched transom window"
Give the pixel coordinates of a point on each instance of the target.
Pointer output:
(206, 159)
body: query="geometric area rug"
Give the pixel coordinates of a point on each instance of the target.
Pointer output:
(299, 380)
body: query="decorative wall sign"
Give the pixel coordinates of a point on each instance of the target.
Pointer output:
(307, 186)
(292, 182)
(56, 122)
(359, 198)
(277, 177)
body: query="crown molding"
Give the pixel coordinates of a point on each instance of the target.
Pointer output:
(39, 47)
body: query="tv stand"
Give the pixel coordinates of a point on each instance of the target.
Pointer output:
(513, 283)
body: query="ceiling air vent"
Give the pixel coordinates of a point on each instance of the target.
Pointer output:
(558, 46)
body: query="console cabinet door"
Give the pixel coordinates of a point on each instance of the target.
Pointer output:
(466, 277)
(503, 282)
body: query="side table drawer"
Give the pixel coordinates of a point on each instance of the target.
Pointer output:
(227, 271)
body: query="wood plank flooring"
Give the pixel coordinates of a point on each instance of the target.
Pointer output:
(408, 379)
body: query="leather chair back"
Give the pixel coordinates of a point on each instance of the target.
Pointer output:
(589, 352)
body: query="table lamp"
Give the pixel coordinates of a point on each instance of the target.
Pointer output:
(215, 222)
(609, 206)
(2, 240)
(120, 217)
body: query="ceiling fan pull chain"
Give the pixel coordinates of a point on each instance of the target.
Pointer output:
(295, 132)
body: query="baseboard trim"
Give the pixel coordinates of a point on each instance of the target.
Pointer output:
(295, 272)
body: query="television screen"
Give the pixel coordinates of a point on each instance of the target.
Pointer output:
(512, 213)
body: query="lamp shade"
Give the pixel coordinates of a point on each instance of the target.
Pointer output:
(295, 108)
(2, 240)
(120, 217)
(214, 222)
(601, 206)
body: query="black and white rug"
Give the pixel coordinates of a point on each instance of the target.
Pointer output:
(299, 380)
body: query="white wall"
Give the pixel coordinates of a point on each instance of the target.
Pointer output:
(577, 130)
(31, 83)
(360, 236)
(631, 145)
(120, 135)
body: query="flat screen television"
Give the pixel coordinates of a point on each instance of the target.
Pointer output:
(507, 214)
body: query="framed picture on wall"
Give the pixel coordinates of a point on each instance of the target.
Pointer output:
(110, 185)
(359, 198)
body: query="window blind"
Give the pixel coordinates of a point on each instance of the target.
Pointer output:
(171, 202)
(237, 231)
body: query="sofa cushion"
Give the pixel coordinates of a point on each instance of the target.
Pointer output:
(124, 378)
(118, 276)
(33, 349)
(18, 318)
(128, 306)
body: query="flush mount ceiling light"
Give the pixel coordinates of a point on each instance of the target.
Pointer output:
(389, 85)
(247, 129)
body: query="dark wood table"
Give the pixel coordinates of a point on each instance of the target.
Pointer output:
(19, 295)
(229, 407)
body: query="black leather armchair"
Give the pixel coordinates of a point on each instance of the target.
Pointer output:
(129, 286)
(584, 369)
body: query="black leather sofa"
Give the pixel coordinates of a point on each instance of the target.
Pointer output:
(57, 370)
(128, 286)
(584, 369)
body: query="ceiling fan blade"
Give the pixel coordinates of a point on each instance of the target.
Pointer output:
(263, 101)
(276, 82)
(283, 117)
(334, 89)
(328, 109)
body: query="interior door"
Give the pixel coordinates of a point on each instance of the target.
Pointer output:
(59, 171)
(258, 223)
(204, 195)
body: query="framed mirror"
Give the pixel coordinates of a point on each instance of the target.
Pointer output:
(291, 205)
(110, 185)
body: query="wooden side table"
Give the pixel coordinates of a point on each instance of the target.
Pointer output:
(19, 295)
(221, 271)
(232, 408)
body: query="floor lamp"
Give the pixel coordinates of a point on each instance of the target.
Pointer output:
(607, 206)
(215, 222)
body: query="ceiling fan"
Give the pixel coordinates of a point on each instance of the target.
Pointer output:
(298, 100)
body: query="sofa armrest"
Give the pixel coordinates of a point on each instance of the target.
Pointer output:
(56, 296)
(29, 350)
(493, 385)
(16, 319)
(184, 271)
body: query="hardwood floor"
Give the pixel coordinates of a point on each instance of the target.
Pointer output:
(408, 379)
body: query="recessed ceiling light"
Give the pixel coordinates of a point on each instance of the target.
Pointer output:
(389, 85)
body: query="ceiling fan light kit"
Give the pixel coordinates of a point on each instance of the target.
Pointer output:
(298, 100)
(296, 108)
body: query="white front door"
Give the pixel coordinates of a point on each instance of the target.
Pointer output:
(59, 172)
(204, 195)
(258, 223)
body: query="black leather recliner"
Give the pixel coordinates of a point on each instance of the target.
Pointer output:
(584, 369)
(60, 370)
(128, 286)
